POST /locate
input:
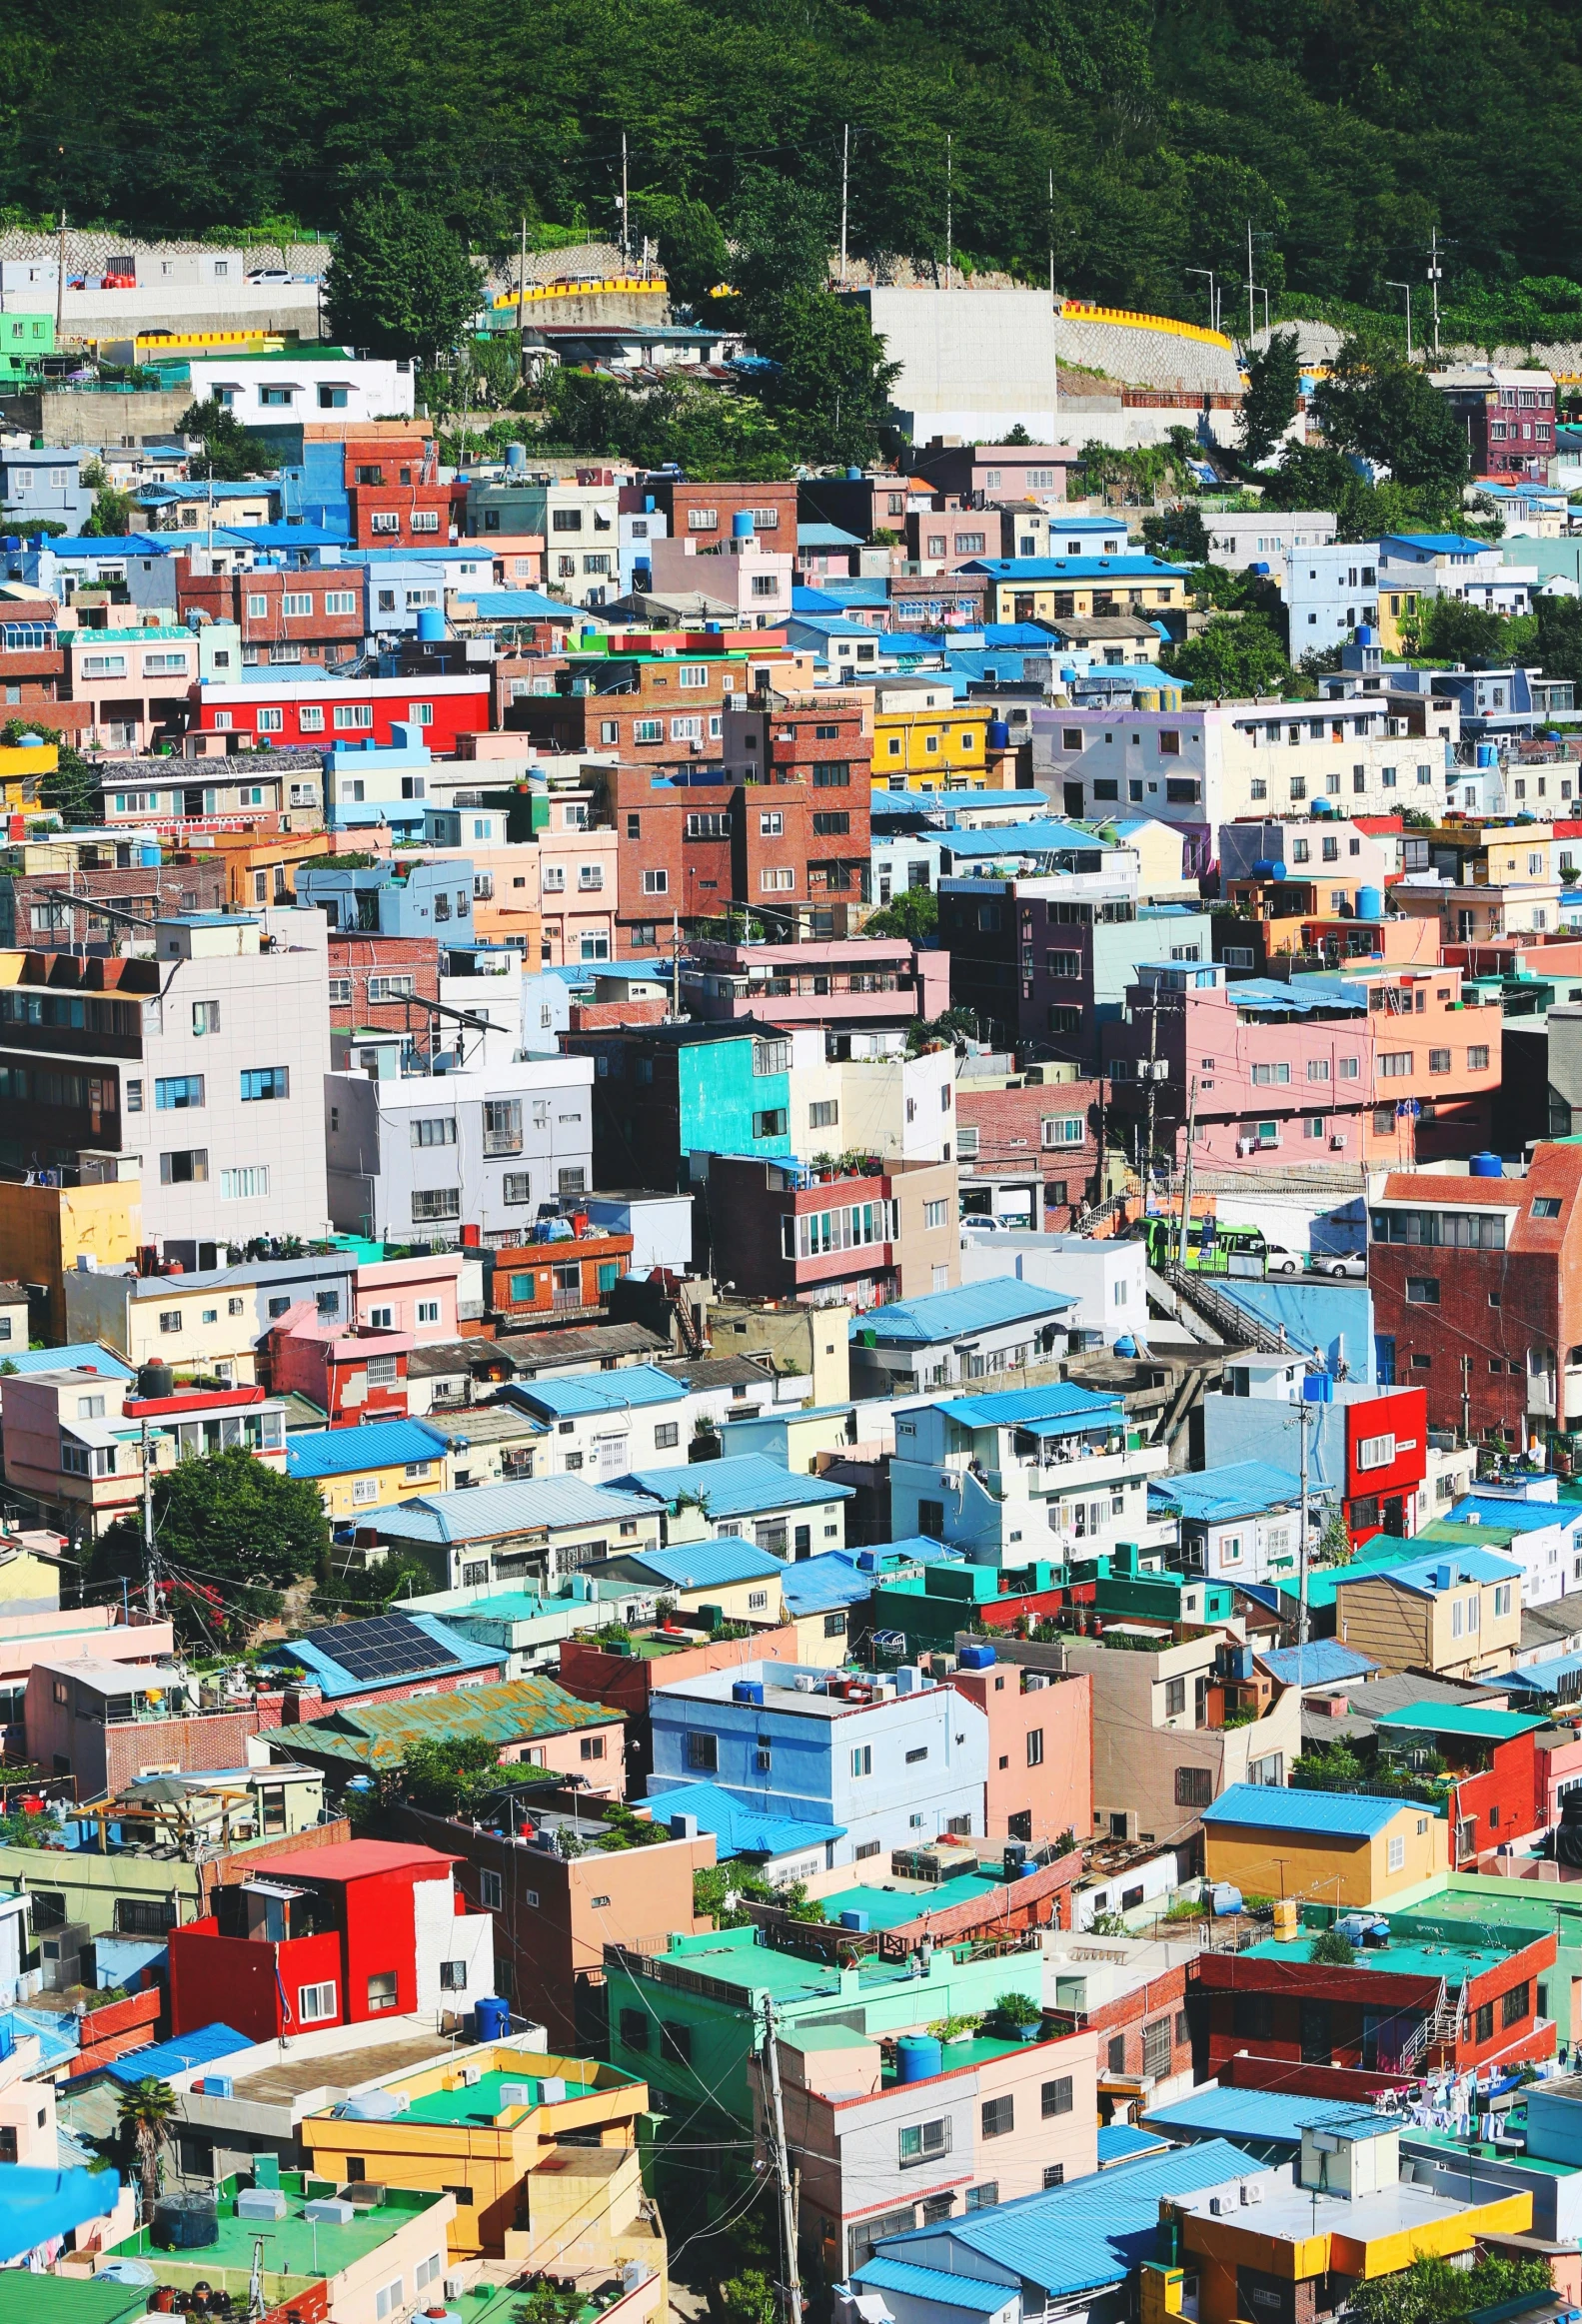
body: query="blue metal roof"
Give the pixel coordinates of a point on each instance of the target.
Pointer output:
(38, 2205)
(520, 605)
(1542, 1677)
(942, 1315)
(1322, 1662)
(707, 1565)
(1264, 2115)
(199, 2048)
(826, 536)
(1520, 1516)
(819, 1585)
(1039, 838)
(598, 1392)
(81, 1356)
(1090, 2233)
(1058, 1408)
(1120, 2142)
(743, 1485)
(377, 1444)
(933, 2283)
(739, 1831)
(1269, 1807)
(1036, 568)
(432, 1649)
(1429, 1576)
(1219, 1496)
(481, 1512)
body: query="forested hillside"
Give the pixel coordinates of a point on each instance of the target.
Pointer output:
(1344, 128)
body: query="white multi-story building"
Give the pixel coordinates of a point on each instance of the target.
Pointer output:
(1268, 537)
(1331, 587)
(264, 389)
(1453, 564)
(419, 1156)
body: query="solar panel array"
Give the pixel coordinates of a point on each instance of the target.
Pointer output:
(385, 1648)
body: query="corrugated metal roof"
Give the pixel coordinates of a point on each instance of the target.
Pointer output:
(162, 2058)
(1012, 1407)
(1347, 1815)
(1322, 1662)
(817, 1585)
(1120, 2142)
(1521, 1516)
(1542, 1677)
(377, 1444)
(1091, 2233)
(1468, 1719)
(484, 1512)
(376, 1735)
(706, 1564)
(942, 1315)
(81, 1356)
(1240, 1489)
(1456, 1565)
(933, 2283)
(740, 1829)
(1261, 2115)
(598, 1392)
(745, 1485)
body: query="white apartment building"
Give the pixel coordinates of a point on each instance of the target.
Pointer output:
(262, 389)
(224, 1109)
(1453, 564)
(900, 1107)
(419, 1157)
(1330, 588)
(1268, 537)
(1200, 768)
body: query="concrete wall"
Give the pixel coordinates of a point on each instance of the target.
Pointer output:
(968, 356)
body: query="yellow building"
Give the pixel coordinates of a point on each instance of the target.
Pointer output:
(23, 767)
(489, 2127)
(1347, 2215)
(45, 1230)
(377, 1466)
(1322, 1848)
(1071, 588)
(1457, 1613)
(922, 733)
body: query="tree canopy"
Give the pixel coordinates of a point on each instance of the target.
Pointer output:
(400, 282)
(1384, 410)
(1274, 378)
(231, 1524)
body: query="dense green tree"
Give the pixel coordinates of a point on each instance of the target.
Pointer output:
(831, 388)
(1559, 643)
(145, 2116)
(708, 431)
(1386, 412)
(400, 282)
(230, 453)
(232, 1524)
(1331, 1951)
(112, 508)
(914, 915)
(691, 243)
(1179, 535)
(1274, 380)
(1453, 630)
(1231, 655)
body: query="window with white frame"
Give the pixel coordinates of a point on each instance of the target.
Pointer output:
(316, 2004)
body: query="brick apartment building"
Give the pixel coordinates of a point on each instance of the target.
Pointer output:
(675, 857)
(395, 496)
(666, 709)
(702, 512)
(776, 1231)
(1477, 1294)
(285, 617)
(32, 663)
(1039, 1135)
(382, 981)
(35, 915)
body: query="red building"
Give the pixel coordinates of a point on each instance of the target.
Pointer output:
(1499, 1790)
(350, 1371)
(537, 1282)
(1508, 416)
(416, 515)
(1408, 2002)
(675, 852)
(32, 663)
(1386, 1462)
(702, 512)
(659, 706)
(382, 981)
(859, 1236)
(800, 833)
(1477, 1294)
(331, 1936)
(285, 617)
(298, 714)
(1027, 1141)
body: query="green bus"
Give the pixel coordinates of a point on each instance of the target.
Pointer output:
(1211, 1247)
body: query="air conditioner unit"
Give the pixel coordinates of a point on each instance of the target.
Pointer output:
(1253, 2191)
(1217, 2205)
(1337, 1144)
(472, 2077)
(454, 2287)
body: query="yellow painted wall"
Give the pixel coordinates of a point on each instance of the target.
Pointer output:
(43, 1229)
(930, 744)
(393, 1486)
(1006, 595)
(1319, 1870)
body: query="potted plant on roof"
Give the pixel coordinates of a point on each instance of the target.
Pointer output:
(1021, 2013)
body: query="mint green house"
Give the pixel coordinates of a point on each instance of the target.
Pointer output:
(25, 340)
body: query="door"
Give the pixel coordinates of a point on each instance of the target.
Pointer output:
(1022, 606)
(1073, 800)
(191, 802)
(611, 1455)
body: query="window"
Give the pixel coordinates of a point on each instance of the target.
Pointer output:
(389, 2296)
(771, 1124)
(1279, 1071)
(1157, 2049)
(265, 1081)
(354, 716)
(1376, 1452)
(310, 720)
(919, 2142)
(436, 1202)
(1174, 1698)
(434, 1130)
(340, 602)
(999, 2115)
(502, 1126)
(983, 2198)
(1395, 1064)
(1195, 1786)
(190, 1168)
(246, 1184)
(1036, 1747)
(177, 1093)
(1397, 1854)
(1546, 1206)
(935, 1213)
(316, 2004)
(1423, 1291)
(382, 1991)
(1502, 1598)
(655, 883)
(772, 827)
(675, 2042)
(1064, 1130)
(1515, 2005)
(1439, 1062)
(491, 1891)
(702, 1752)
(381, 1371)
(861, 1758)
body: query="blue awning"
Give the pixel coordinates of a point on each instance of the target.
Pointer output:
(38, 2205)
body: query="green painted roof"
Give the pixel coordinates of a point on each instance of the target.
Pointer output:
(294, 2248)
(1464, 1718)
(1480, 2150)
(1378, 1554)
(1458, 1964)
(376, 1735)
(478, 2105)
(1468, 1532)
(30, 2299)
(893, 1908)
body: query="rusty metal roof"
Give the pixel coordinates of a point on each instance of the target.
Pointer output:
(379, 1733)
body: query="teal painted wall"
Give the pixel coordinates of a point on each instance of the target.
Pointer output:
(719, 1094)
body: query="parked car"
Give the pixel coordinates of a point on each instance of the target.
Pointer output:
(1277, 1260)
(1341, 1264)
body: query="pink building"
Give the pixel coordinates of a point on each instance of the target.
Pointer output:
(350, 1371)
(754, 582)
(858, 982)
(100, 1634)
(1040, 1749)
(418, 1296)
(75, 1439)
(1005, 2115)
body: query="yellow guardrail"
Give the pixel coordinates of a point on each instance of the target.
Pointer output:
(1084, 311)
(195, 341)
(654, 285)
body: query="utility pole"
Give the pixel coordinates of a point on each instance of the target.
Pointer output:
(1051, 231)
(1301, 1542)
(1154, 1043)
(791, 2288)
(845, 167)
(151, 1596)
(1213, 298)
(1435, 275)
(522, 289)
(1186, 1174)
(949, 205)
(1407, 288)
(1251, 310)
(60, 282)
(626, 239)
(675, 965)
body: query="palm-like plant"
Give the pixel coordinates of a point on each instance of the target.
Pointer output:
(143, 2118)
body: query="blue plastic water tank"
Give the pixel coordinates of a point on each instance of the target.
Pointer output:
(1487, 756)
(855, 1921)
(854, 476)
(491, 2018)
(431, 624)
(918, 2057)
(742, 525)
(515, 455)
(1370, 904)
(748, 1691)
(975, 1658)
(1487, 1166)
(1269, 867)
(998, 735)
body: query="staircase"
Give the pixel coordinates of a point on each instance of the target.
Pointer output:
(1435, 2031)
(1235, 1326)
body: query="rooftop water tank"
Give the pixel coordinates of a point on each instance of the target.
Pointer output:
(515, 455)
(431, 624)
(976, 1658)
(998, 735)
(918, 2057)
(1370, 904)
(748, 1691)
(1269, 867)
(855, 1921)
(155, 1379)
(1487, 754)
(854, 476)
(185, 2222)
(492, 2018)
(742, 525)
(1487, 1166)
